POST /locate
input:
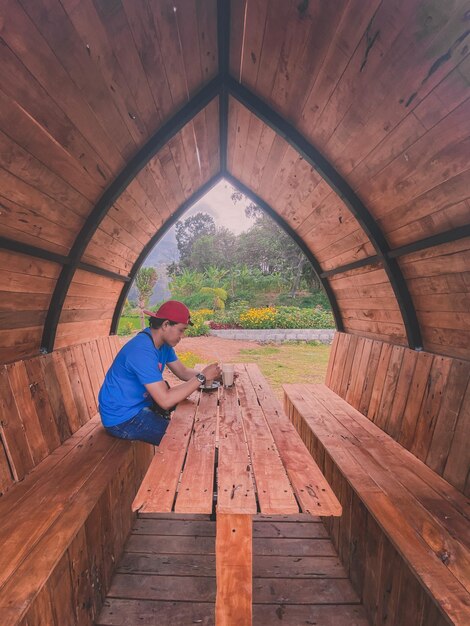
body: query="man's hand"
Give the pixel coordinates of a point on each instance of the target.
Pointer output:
(212, 371)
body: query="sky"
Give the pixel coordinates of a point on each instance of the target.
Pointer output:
(217, 203)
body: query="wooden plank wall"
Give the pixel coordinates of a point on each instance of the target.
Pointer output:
(439, 282)
(382, 90)
(82, 87)
(267, 164)
(420, 399)
(45, 399)
(26, 288)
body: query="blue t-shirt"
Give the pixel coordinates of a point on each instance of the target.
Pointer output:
(137, 364)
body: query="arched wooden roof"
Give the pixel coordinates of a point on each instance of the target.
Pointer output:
(347, 120)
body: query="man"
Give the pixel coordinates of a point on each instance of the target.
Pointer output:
(134, 401)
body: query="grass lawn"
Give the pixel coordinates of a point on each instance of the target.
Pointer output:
(290, 362)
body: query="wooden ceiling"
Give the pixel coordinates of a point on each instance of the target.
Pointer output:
(348, 120)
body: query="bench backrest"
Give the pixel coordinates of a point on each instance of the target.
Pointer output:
(420, 399)
(45, 399)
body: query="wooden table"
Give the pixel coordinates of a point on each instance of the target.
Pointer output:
(234, 449)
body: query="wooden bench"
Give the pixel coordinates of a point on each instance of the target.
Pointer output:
(67, 486)
(404, 535)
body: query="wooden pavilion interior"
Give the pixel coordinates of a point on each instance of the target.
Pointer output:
(348, 122)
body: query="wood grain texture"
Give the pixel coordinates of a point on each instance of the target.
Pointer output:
(415, 397)
(234, 570)
(379, 472)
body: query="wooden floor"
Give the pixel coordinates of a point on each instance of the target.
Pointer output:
(167, 575)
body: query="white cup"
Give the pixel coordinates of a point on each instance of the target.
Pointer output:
(227, 374)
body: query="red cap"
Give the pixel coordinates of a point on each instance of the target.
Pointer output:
(174, 311)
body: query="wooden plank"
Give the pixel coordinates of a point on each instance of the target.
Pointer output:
(158, 489)
(82, 591)
(347, 366)
(167, 565)
(449, 415)
(291, 591)
(19, 384)
(149, 526)
(272, 484)
(456, 468)
(372, 568)
(68, 397)
(332, 358)
(402, 389)
(148, 612)
(84, 376)
(56, 399)
(170, 588)
(93, 365)
(77, 385)
(60, 591)
(341, 353)
(6, 475)
(293, 615)
(379, 380)
(415, 398)
(357, 374)
(41, 610)
(390, 385)
(12, 431)
(235, 482)
(430, 406)
(234, 557)
(310, 487)
(195, 492)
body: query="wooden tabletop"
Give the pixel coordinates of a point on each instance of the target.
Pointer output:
(241, 437)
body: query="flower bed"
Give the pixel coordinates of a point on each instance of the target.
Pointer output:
(273, 317)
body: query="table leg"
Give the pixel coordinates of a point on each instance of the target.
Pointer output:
(233, 550)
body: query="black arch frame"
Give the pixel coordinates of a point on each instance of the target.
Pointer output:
(223, 85)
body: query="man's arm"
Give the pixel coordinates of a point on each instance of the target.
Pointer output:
(166, 398)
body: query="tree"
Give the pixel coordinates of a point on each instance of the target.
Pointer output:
(191, 229)
(217, 250)
(145, 282)
(267, 246)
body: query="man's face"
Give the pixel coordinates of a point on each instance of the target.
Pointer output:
(173, 334)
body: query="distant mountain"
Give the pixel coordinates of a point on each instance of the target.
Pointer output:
(164, 253)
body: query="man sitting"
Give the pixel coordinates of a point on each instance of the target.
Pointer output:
(134, 401)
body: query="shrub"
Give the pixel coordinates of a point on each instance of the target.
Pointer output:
(125, 329)
(259, 318)
(199, 326)
(275, 317)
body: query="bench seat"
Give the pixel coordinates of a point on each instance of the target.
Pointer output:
(405, 532)
(64, 522)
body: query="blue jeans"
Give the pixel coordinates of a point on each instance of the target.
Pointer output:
(147, 426)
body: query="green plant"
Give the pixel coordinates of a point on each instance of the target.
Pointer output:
(199, 326)
(217, 294)
(145, 282)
